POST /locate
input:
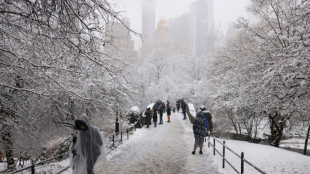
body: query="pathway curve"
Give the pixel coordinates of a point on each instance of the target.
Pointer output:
(164, 149)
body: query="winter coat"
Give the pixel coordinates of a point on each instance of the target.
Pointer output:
(200, 125)
(155, 116)
(163, 106)
(86, 147)
(183, 105)
(148, 114)
(168, 110)
(161, 112)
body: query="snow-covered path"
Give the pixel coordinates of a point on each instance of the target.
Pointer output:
(164, 149)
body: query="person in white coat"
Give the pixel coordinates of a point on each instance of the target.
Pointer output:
(87, 150)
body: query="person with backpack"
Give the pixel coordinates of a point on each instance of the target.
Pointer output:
(161, 112)
(178, 106)
(168, 112)
(200, 128)
(208, 116)
(184, 106)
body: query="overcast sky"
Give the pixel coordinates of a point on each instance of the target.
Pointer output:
(225, 11)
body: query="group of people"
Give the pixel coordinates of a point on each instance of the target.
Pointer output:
(87, 147)
(202, 125)
(158, 109)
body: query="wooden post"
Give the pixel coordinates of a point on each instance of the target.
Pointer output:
(209, 141)
(223, 154)
(242, 162)
(121, 135)
(213, 146)
(127, 135)
(113, 139)
(32, 166)
(306, 141)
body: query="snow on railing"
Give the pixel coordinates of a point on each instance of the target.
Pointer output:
(33, 164)
(115, 138)
(225, 160)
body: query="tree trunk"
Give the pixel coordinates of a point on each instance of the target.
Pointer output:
(239, 126)
(8, 146)
(232, 119)
(276, 128)
(306, 140)
(234, 124)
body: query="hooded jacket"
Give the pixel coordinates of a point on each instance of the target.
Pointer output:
(86, 147)
(200, 125)
(183, 106)
(155, 115)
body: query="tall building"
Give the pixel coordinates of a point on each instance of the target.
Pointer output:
(179, 29)
(201, 26)
(148, 22)
(164, 43)
(119, 41)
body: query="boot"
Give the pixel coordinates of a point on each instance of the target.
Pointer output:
(193, 152)
(200, 152)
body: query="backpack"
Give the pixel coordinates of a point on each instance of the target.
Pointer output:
(209, 118)
(207, 122)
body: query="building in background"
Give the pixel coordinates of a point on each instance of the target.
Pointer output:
(201, 22)
(163, 42)
(191, 34)
(179, 29)
(148, 22)
(119, 43)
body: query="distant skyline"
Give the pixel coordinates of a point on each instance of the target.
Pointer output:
(225, 11)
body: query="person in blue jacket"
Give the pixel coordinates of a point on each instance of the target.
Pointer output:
(200, 128)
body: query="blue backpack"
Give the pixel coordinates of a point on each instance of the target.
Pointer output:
(207, 123)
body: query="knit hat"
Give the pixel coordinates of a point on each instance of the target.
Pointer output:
(202, 108)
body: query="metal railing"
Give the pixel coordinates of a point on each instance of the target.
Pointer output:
(114, 138)
(241, 156)
(33, 164)
(119, 138)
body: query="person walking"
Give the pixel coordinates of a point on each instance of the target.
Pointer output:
(155, 117)
(148, 114)
(178, 106)
(200, 128)
(161, 112)
(163, 107)
(183, 106)
(87, 148)
(168, 112)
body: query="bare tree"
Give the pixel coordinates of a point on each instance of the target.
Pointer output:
(52, 55)
(266, 67)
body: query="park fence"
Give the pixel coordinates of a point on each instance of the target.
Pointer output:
(113, 141)
(225, 160)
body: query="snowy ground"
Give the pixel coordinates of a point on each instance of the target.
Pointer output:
(164, 149)
(167, 149)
